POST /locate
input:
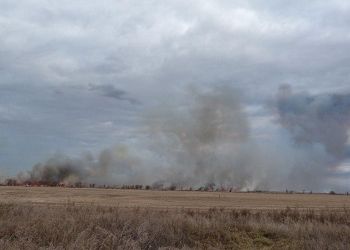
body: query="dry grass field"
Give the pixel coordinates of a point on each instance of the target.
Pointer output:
(64, 218)
(170, 199)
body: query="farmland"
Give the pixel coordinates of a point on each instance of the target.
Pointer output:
(170, 199)
(77, 218)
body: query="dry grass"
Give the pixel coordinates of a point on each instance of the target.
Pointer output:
(170, 199)
(94, 227)
(61, 218)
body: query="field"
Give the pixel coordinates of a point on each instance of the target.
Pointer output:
(64, 218)
(170, 199)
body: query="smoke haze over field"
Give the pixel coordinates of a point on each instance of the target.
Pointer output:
(207, 140)
(176, 92)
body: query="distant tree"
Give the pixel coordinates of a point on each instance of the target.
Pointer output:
(78, 184)
(11, 182)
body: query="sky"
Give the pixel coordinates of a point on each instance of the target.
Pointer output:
(81, 76)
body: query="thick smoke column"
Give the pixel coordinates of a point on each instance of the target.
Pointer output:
(57, 170)
(206, 140)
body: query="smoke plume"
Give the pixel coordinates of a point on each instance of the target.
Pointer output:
(206, 140)
(112, 166)
(323, 119)
(318, 126)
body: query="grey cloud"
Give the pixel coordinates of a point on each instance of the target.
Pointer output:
(111, 91)
(258, 45)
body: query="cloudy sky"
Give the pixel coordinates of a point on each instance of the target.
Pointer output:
(79, 76)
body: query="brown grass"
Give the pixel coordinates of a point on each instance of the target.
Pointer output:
(95, 227)
(59, 218)
(170, 199)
